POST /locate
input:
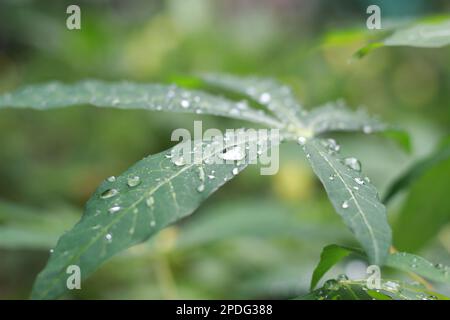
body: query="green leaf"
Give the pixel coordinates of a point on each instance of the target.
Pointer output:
(429, 33)
(424, 213)
(353, 198)
(269, 93)
(331, 255)
(412, 263)
(424, 34)
(345, 289)
(336, 117)
(418, 169)
(28, 228)
(127, 210)
(127, 95)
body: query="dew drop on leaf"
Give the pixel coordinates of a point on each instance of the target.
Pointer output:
(353, 163)
(150, 201)
(331, 284)
(133, 181)
(111, 179)
(359, 181)
(234, 153)
(114, 209)
(201, 188)
(235, 171)
(345, 204)
(301, 141)
(179, 161)
(265, 98)
(185, 104)
(108, 237)
(109, 193)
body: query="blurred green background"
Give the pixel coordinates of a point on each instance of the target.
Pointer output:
(259, 236)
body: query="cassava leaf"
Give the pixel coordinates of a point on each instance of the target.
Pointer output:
(345, 289)
(429, 33)
(336, 117)
(424, 213)
(268, 92)
(418, 169)
(412, 263)
(331, 255)
(353, 197)
(127, 95)
(127, 210)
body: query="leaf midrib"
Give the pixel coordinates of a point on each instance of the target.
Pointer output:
(359, 210)
(102, 231)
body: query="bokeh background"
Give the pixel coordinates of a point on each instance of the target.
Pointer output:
(259, 236)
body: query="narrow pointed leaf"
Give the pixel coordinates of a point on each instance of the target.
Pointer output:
(412, 263)
(428, 34)
(358, 290)
(336, 117)
(126, 95)
(127, 210)
(354, 199)
(268, 92)
(418, 169)
(331, 255)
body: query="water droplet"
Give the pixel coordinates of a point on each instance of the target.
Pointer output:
(111, 179)
(331, 285)
(333, 146)
(342, 277)
(185, 104)
(210, 177)
(109, 193)
(345, 204)
(201, 188)
(108, 237)
(356, 188)
(235, 171)
(51, 250)
(367, 129)
(234, 153)
(114, 209)
(353, 163)
(359, 181)
(152, 223)
(392, 286)
(265, 98)
(133, 181)
(413, 266)
(179, 161)
(439, 266)
(150, 201)
(308, 156)
(332, 177)
(301, 141)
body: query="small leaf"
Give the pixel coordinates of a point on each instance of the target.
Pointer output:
(336, 117)
(418, 169)
(412, 263)
(127, 95)
(424, 34)
(357, 290)
(430, 33)
(331, 255)
(353, 198)
(120, 215)
(267, 92)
